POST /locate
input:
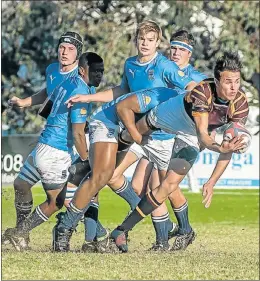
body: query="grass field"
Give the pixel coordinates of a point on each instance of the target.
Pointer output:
(226, 246)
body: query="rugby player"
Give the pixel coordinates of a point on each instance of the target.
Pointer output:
(146, 70)
(182, 43)
(104, 136)
(96, 236)
(52, 155)
(69, 50)
(211, 104)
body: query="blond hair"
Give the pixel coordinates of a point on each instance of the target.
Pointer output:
(148, 26)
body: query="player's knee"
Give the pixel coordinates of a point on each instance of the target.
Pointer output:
(138, 187)
(21, 186)
(114, 179)
(54, 203)
(101, 179)
(168, 186)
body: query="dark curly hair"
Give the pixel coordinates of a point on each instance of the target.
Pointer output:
(229, 61)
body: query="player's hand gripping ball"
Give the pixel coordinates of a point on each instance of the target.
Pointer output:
(235, 129)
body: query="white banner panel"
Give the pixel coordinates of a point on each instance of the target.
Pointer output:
(242, 172)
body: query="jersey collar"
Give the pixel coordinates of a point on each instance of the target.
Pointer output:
(63, 73)
(145, 63)
(185, 67)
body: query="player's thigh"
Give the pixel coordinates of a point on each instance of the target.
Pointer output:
(157, 176)
(126, 160)
(183, 157)
(28, 175)
(52, 165)
(102, 156)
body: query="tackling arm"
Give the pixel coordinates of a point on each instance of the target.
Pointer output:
(108, 95)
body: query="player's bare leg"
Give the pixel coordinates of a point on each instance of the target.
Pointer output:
(103, 161)
(119, 183)
(177, 170)
(141, 176)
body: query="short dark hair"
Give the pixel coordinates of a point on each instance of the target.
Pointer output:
(229, 61)
(88, 58)
(184, 36)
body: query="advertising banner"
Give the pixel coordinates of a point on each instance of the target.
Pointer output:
(242, 172)
(15, 149)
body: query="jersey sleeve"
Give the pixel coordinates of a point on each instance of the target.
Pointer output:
(239, 108)
(200, 98)
(124, 82)
(173, 75)
(79, 111)
(147, 99)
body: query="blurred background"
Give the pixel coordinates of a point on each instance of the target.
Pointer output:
(30, 33)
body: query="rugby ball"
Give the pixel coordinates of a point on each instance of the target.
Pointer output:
(235, 129)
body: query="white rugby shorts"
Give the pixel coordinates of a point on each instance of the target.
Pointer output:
(50, 163)
(101, 132)
(156, 151)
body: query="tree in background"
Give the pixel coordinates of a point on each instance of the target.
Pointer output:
(30, 32)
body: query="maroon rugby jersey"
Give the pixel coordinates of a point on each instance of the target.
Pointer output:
(203, 100)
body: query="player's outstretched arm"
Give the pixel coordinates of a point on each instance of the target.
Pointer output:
(207, 190)
(35, 99)
(104, 96)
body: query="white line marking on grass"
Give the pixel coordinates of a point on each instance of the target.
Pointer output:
(236, 193)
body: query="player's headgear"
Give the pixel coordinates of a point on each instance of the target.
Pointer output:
(183, 39)
(74, 39)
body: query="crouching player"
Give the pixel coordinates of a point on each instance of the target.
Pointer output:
(104, 135)
(211, 104)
